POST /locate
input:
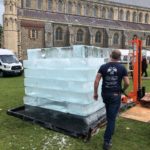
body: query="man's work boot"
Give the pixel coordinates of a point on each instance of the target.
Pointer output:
(107, 146)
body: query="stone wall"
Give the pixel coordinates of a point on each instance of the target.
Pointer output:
(27, 42)
(115, 8)
(17, 26)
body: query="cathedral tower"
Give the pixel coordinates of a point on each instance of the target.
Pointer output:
(10, 25)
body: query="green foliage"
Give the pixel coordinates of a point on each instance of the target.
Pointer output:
(16, 134)
(148, 70)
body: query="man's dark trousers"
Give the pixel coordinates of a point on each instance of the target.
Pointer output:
(112, 104)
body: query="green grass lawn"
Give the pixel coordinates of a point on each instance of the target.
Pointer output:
(145, 83)
(16, 134)
(148, 70)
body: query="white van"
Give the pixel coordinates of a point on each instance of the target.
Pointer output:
(9, 64)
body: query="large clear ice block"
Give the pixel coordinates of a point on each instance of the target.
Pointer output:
(64, 63)
(72, 85)
(68, 74)
(76, 51)
(60, 95)
(67, 107)
(62, 78)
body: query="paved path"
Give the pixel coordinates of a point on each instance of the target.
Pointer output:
(143, 78)
(146, 78)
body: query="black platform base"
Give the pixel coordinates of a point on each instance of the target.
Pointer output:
(73, 125)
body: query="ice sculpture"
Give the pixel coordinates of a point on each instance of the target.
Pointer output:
(62, 79)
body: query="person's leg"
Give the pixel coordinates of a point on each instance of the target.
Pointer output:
(112, 110)
(146, 73)
(112, 104)
(142, 71)
(106, 145)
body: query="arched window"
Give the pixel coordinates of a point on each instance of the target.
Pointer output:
(95, 11)
(11, 8)
(60, 6)
(28, 3)
(98, 37)
(39, 4)
(11, 20)
(103, 12)
(116, 39)
(80, 35)
(79, 9)
(111, 13)
(146, 18)
(134, 17)
(59, 34)
(148, 41)
(87, 10)
(69, 7)
(128, 16)
(140, 17)
(49, 4)
(121, 14)
(22, 5)
(6, 21)
(33, 34)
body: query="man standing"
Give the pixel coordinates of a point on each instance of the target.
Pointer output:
(112, 74)
(144, 66)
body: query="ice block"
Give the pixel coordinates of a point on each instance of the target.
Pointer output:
(62, 79)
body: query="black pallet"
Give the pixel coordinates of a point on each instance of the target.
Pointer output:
(73, 125)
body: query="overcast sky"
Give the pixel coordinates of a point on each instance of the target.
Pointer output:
(1, 10)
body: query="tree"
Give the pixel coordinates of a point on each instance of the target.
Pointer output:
(1, 35)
